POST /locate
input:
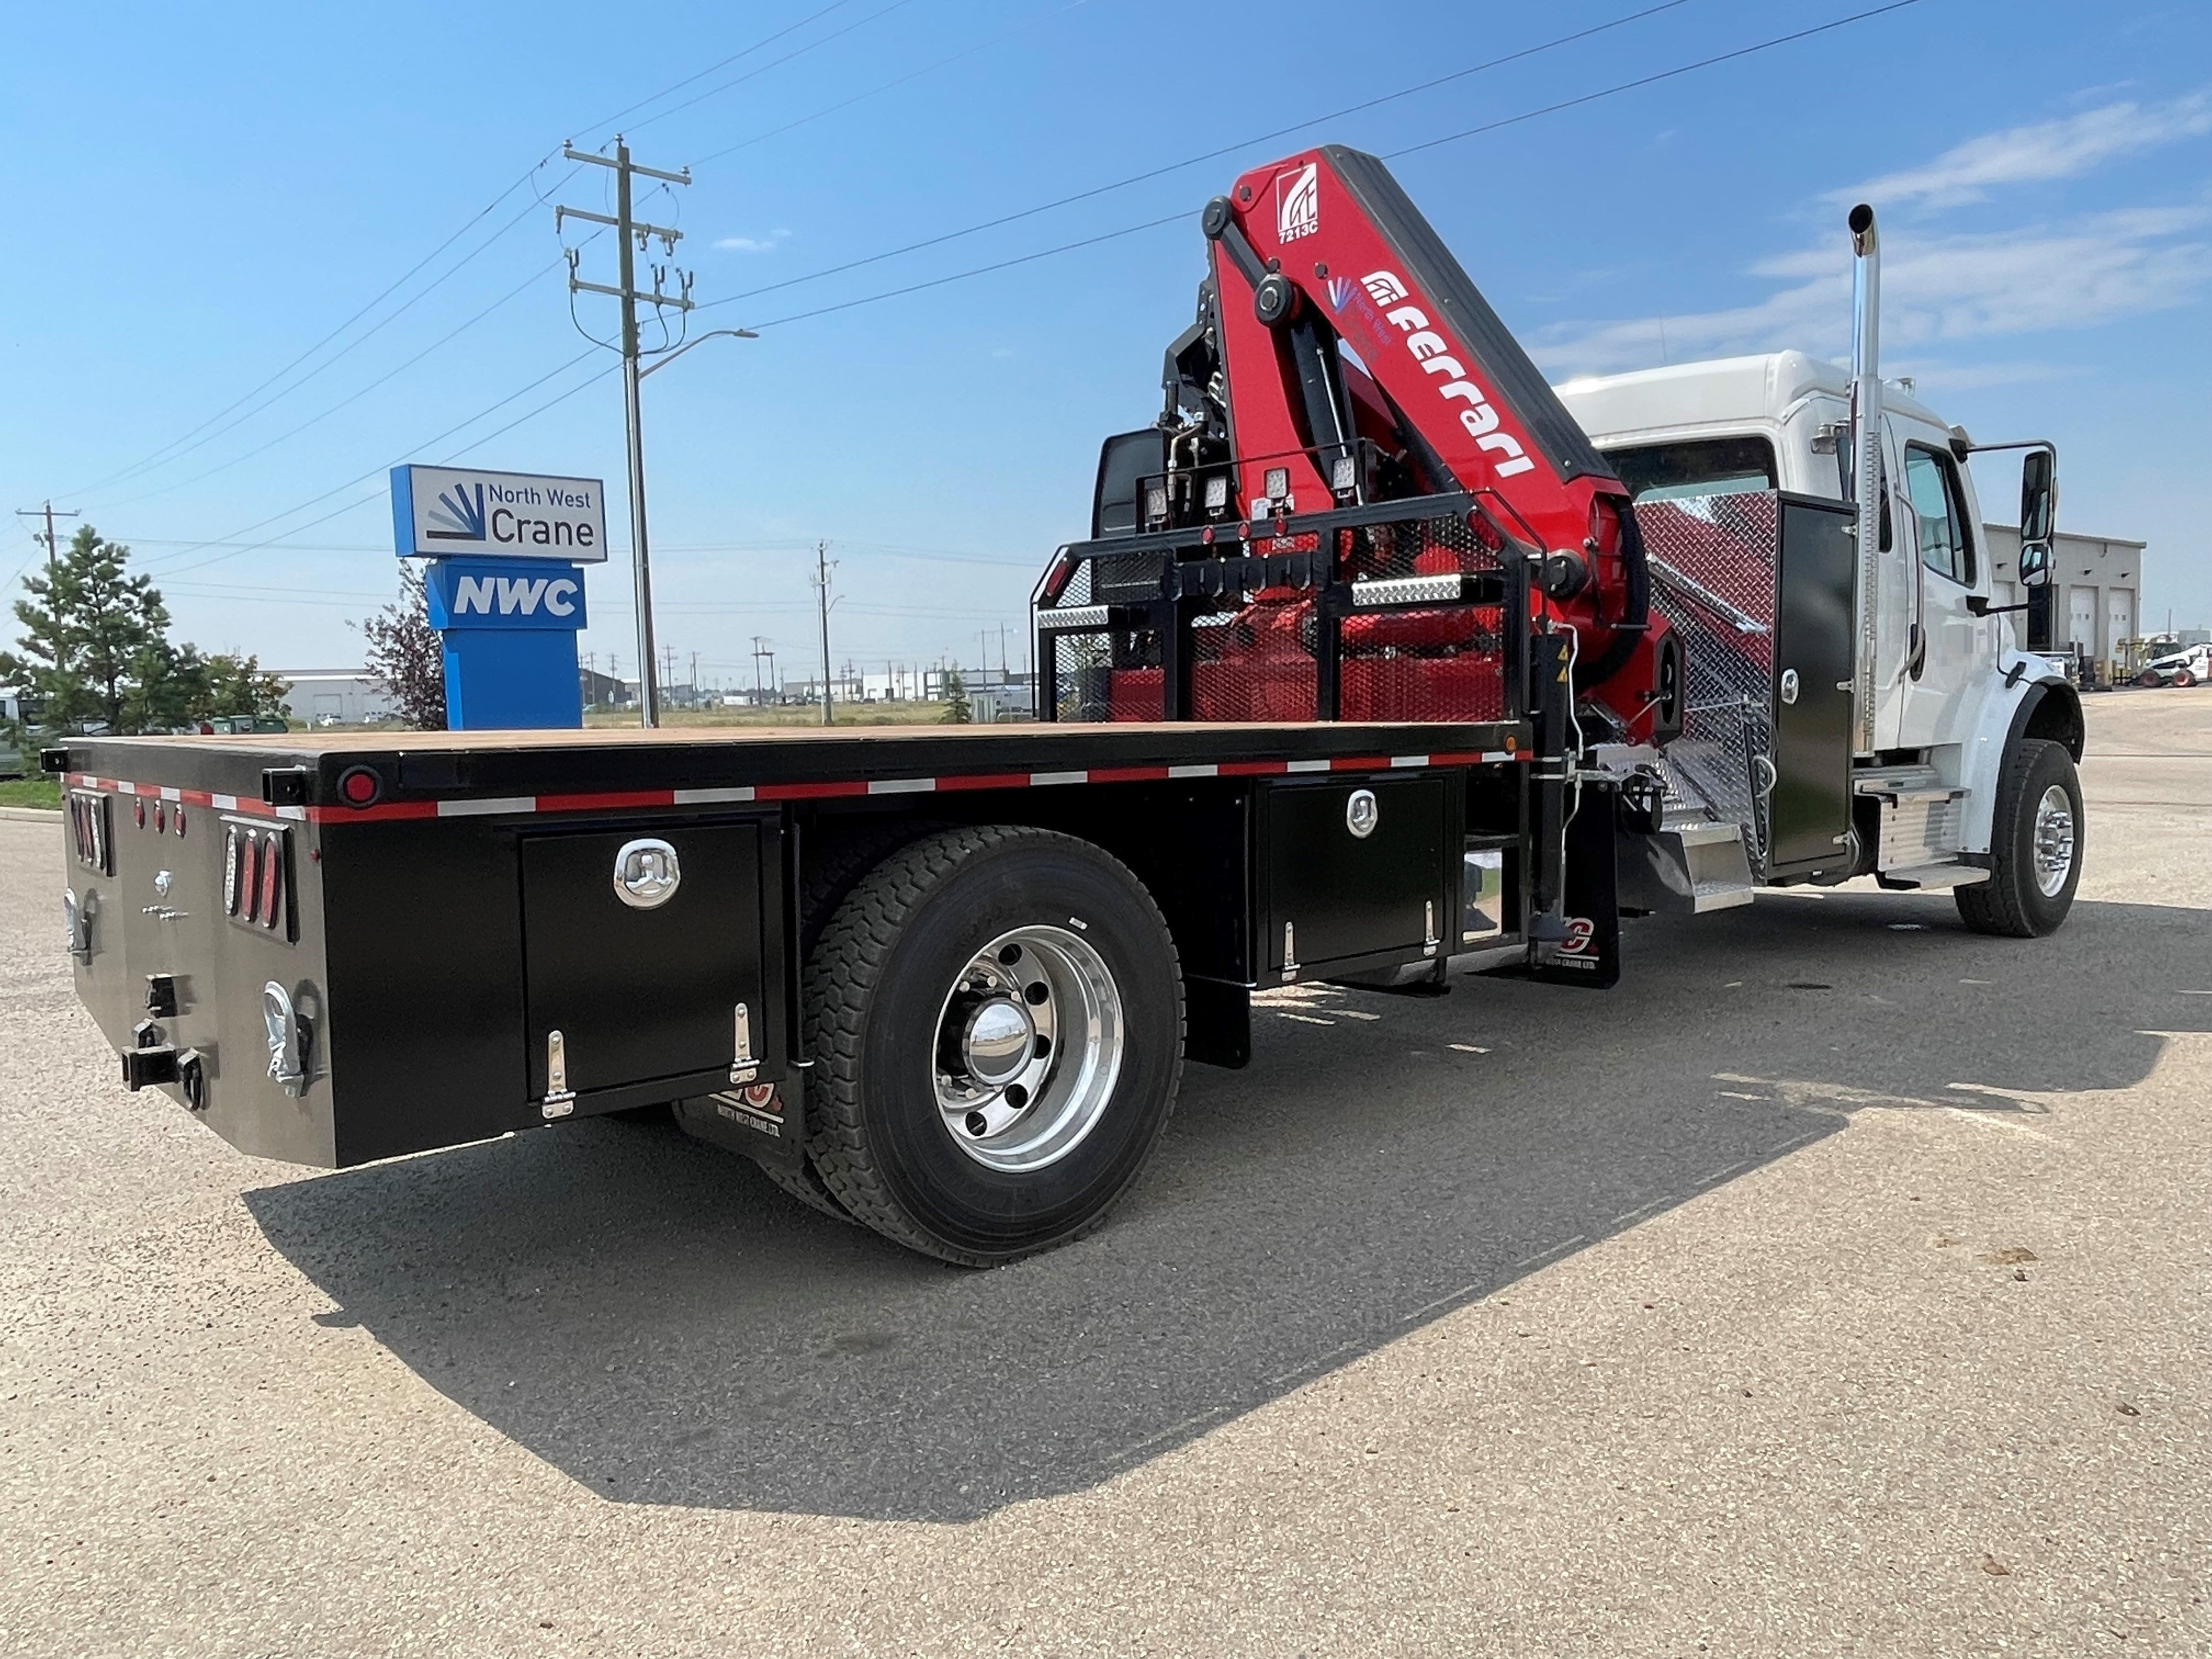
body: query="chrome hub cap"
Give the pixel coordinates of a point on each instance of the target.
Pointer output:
(1029, 1048)
(2054, 840)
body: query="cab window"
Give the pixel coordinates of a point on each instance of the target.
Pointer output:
(1932, 480)
(1696, 466)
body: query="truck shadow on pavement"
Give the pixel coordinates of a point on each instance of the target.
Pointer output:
(649, 1315)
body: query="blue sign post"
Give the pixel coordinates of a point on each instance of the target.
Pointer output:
(510, 629)
(506, 586)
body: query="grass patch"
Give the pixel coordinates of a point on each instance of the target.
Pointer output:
(31, 792)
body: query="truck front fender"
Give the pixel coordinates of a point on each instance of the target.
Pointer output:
(2038, 703)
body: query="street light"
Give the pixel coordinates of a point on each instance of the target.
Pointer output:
(720, 333)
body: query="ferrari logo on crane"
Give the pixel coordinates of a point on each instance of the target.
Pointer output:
(1298, 203)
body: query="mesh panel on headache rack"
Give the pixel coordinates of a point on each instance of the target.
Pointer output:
(1436, 663)
(1252, 657)
(1444, 546)
(1109, 676)
(1713, 567)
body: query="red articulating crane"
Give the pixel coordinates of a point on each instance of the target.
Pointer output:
(1342, 357)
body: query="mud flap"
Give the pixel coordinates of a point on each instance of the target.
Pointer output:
(1589, 956)
(766, 1122)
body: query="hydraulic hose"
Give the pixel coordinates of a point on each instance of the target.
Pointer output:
(1636, 608)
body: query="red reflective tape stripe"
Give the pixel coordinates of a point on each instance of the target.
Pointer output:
(587, 803)
(1454, 760)
(1128, 774)
(807, 791)
(1253, 768)
(389, 812)
(1361, 763)
(986, 781)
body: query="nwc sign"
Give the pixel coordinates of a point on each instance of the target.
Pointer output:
(478, 593)
(441, 511)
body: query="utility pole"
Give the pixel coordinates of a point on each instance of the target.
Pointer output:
(823, 566)
(53, 547)
(633, 235)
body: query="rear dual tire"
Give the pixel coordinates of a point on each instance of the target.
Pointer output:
(995, 1018)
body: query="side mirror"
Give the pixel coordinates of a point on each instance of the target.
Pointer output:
(2034, 564)
(2038, 494)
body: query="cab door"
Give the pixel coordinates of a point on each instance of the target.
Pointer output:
(1950, 651)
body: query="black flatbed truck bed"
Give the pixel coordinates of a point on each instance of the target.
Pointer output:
(337, 947)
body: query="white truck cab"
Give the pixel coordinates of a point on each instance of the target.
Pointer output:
(1962, 744)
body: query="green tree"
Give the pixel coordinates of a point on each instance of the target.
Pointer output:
(93, 647)
(405, 656)
(957, 711)
(234, 685)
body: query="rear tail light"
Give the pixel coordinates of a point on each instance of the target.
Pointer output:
(271, 902)
(249, 873)
(88, 816)
(256, 874)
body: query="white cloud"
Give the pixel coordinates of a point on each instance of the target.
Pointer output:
(1941, 286)
(2064, 148)
(1936, 290)
(768, 244)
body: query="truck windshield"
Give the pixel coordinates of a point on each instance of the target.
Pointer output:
(1694, 467)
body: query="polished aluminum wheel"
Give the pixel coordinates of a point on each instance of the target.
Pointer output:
(2054, 840)
(1028, 1047)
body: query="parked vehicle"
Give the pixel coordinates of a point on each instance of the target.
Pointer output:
(1400, 664)
(2191, 666)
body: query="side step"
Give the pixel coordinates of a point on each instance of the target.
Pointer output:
(1685, 869)
(1903, 783)
(1930, 876)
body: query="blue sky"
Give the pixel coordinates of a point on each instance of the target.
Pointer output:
(197, 197)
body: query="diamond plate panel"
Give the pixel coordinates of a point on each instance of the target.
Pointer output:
(1713, 573)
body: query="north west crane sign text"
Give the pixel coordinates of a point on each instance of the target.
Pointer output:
(442, 511)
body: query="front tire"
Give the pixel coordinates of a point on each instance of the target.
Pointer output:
(2035, 846)
(996, 1015)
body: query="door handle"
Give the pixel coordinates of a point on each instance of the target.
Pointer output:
(1789, 686)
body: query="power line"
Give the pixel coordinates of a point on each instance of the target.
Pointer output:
(1469, 132)
(155, 458)
(364, 477)
(1204, 156)
(355, 396)
(1088, 241)
(1650, 80)
(900, 81)
(753, 75)
(766, 40)
(171, 450)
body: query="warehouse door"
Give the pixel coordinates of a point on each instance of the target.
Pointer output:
(2119, 618)
(2081, 619)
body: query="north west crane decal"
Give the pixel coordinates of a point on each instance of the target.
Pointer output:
(459, 515)
(1432, 351)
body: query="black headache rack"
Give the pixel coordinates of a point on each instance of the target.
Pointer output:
(1406, 609)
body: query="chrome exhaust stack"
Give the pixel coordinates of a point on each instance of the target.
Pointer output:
(1867, 482)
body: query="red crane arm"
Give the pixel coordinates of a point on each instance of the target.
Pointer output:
(1343, 315)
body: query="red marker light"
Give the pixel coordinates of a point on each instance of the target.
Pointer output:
(249, 877)
(272, 875)
(359, 786)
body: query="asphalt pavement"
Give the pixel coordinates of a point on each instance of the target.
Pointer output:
(1841, 1284)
